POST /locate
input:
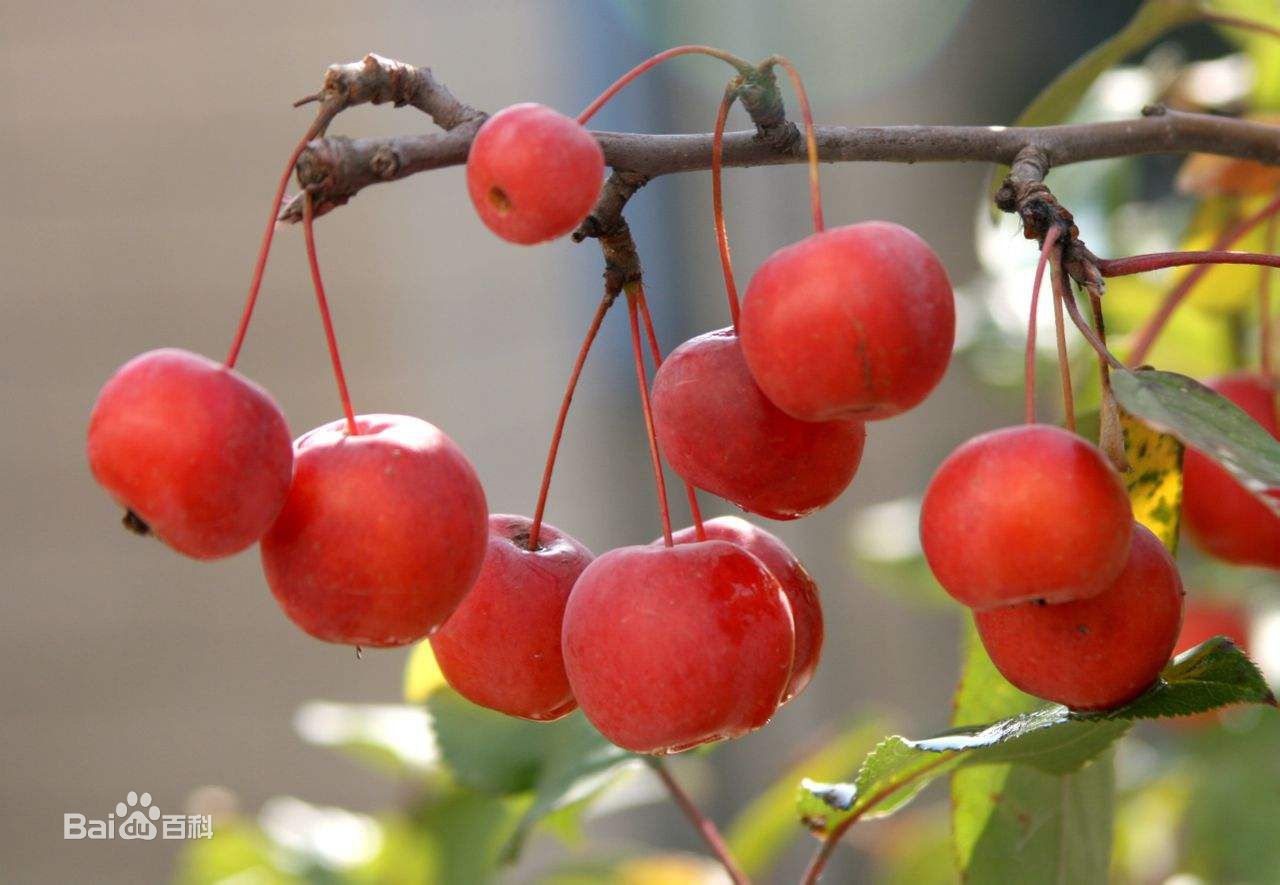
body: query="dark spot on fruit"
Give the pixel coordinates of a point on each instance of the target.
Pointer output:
(499, 200)
(1082, 629)
(135, 523)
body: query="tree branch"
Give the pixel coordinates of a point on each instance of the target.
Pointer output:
(335, 169)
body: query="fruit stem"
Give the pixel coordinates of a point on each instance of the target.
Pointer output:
(1060, 294)
(705, 826)
(1030, 367)
(810, 138)
(264, 250)
(691, 49)
(832, 839)
(1264, 303)
(1119, 267)
(308, 231)
(655, 352)
(1247, 24)
(717, 198)
(635, 293)
(1148, 334)
(588, 340)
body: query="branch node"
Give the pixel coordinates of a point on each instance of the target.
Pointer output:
(762, 100)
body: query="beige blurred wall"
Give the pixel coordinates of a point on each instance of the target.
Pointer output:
(139, 145)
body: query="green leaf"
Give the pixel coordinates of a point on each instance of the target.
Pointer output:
(1062, 96)
(1051, 739)
(766, 826)
(1013, 823)
(560, 763)
(1212, 424)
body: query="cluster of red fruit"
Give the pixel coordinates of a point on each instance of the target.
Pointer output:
(1031, 527)
(374, 529)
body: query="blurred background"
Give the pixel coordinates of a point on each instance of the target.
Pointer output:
(141, 145)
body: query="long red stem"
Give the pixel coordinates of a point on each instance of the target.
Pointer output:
(1147, 335)
(308, 231)
(1030, 367)
(655, 352)
(588, 340)
(705, 826)
(717, 199)
(264, 250)
(1264, 303)
(1061, 292)
(635, 292)
(810, 138)
(1120, 267)
(692, 49)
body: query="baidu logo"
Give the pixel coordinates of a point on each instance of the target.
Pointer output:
(137, 818)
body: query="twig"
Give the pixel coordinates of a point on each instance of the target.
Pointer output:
(706, 828)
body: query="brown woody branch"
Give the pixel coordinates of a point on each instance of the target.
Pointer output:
(334, 169)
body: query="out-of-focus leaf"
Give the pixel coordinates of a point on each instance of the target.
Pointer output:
(1225, 288)
(1062, 96)
(392, 737)
(560, 763)
(913, 849)
(1206, 421)
(1195, 342)
(1263, 49)
(405, 857)
(1013, 823)
(238, 851)
(885, 541)
(1154, 478)
(1051, 739)
(468, 831)
(422, 674)
(765, 827)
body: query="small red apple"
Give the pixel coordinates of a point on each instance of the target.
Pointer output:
(196, 452)
(501, 647)
(1222, 517)
(533, 173)
(671, 647)
(1025, 513)
(720, 433)
(800, 589)
(853, 322)
(382, 535)
(1096, 653)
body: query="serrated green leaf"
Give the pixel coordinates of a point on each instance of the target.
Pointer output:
(764, 828)
(558, 763)
(1062, 96)
(1206, 421)
(1051, 739)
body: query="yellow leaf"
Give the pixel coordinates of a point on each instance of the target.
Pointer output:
(1154, 479)
(422, 674)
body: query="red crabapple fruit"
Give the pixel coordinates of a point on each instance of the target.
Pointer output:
(196, 452)
(853, 322)
(671, 647)
(501, 647)
(1222, 517)
(1025, 513)
(720, 433)
(382, 535)
(1097, 653)
(799, 588)
(533, 173)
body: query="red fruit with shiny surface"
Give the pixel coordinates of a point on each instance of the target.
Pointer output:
(382, 535)
(1097, 653)
(194, 450)
(797, 585)
(720, 433)
(853, 322)
(1222, 517)
(1025, 513)
(671, 647)
(533, 173)
(501, 647)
